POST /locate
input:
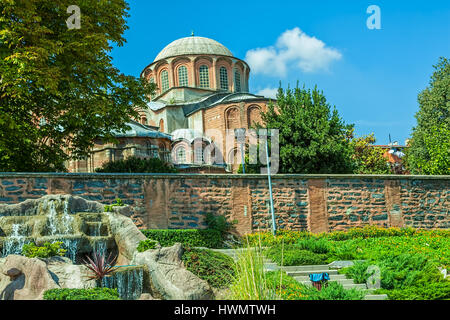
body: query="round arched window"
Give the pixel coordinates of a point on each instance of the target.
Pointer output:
(183, 76)
(204, 76)
(223, 78)
(164, 80)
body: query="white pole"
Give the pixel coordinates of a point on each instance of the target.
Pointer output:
(274, 227)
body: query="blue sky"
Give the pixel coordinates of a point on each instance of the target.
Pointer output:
(371, 76)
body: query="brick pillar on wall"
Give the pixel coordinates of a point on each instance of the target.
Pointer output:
(318, 216)
(155, 193)
(393, 203)
(241, 209)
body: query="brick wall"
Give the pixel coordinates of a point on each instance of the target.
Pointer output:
(317, 203)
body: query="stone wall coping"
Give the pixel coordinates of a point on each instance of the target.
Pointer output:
(13, 175)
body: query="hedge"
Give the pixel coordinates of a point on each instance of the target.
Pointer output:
(190, 237)
(82, 294)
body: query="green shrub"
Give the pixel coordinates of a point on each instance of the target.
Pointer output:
(357, 272)
(431, 291)
(314, 245)
(218, 223)
(82, 294)
(118, 203)
(292, 256)
(145, 245)
(48, 250)
(333, 291)
(137, 165)
(214, 267)
(189, 237)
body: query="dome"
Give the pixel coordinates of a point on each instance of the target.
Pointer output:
(193, 45)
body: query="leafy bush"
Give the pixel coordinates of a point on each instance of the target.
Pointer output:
(214, 267)
(82, 294)
(218, 223)
(292, 256)
(314, 245)
(118, 203)
(137, 165)
(48, 250)
(145, 245)
(333, 291)
(189, 237)
(357, 272)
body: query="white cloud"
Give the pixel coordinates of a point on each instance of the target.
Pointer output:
(294, 48)
(268, 92)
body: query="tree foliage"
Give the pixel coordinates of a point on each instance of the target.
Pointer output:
(368, 159)
(137, 165)
(313, 138)
(58, 87)
(429, 150)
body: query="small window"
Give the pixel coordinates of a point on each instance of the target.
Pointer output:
(198, 155)
(181, 155)
(183, 76)
(223, 78)
(237, 81)
(164, 81)
(204, 76)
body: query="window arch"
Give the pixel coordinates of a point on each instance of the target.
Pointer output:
(253, 115)
(237, 81)
(164, 80)
(204, 76)
(161, 125)
(223, 78)
(183, 76)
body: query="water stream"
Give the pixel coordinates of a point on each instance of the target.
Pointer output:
(14, 243)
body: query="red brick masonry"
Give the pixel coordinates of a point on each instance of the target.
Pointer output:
(302, 202)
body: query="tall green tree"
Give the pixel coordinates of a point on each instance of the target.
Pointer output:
(429, 151)
(313, 138)
(58, 87)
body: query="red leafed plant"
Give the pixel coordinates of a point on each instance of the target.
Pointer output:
(100, 266)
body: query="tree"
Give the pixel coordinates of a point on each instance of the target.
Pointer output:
(429, 151)
(58, 87)
(313, 138)
(368, 159)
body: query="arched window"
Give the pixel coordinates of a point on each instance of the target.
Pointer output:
(253, 116)
(144, 120)
(223, 78)
(164, 80)
(232, 117)
(237, 81)
(181, 155)
(161, 125)
(198, 155)
(204, 76)
(183, 76)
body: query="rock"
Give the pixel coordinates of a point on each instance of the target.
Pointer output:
(146, 296)
(126, 235)
(13, 273)
(31, 284)
(169, 277)
(68, 275)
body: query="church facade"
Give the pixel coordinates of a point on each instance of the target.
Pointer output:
(202, 97)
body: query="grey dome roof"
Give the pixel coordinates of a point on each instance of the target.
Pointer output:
(193, 45)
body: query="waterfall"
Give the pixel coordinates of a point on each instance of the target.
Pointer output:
(62, 228)
(128, 282)
(14, 243)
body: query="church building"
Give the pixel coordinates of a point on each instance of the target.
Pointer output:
(202, 96)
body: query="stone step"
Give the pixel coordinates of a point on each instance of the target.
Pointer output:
(308, 272)
(376, 297)
(345, 286)
(307, 267)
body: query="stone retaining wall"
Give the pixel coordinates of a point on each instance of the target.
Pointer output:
(316, 203)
